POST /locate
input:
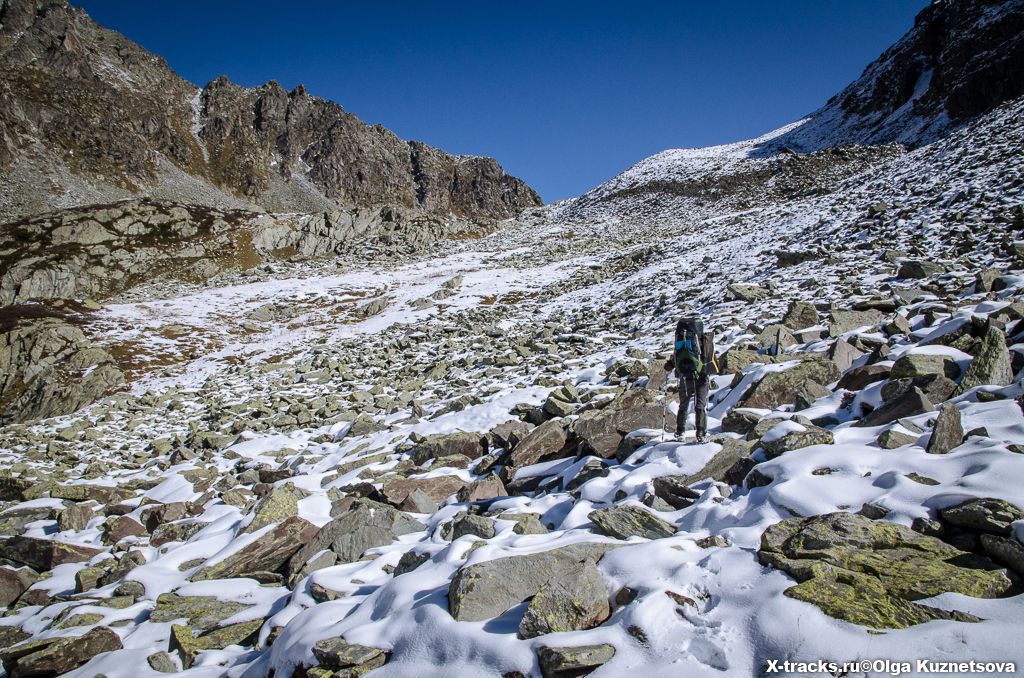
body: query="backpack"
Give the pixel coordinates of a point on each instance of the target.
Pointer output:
(687, 357)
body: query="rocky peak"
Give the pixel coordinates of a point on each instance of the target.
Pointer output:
(108, 120)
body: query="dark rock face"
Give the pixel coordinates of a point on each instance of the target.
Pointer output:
(284, 151)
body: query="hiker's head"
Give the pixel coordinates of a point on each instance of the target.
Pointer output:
(691, 324)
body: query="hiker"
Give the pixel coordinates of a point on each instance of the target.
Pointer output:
(692, 358)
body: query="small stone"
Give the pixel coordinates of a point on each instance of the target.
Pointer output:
(985, 515)
(336, 653)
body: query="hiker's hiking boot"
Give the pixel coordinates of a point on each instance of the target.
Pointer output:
(702, 438)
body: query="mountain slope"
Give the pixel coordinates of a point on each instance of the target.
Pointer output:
(962, 58)
(88, 116)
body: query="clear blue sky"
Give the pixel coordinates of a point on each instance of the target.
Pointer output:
(565, 94)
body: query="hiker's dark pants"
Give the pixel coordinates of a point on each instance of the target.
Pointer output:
(695, 386)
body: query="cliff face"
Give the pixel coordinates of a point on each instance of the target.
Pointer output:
(86, 115)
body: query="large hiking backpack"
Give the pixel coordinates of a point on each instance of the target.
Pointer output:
(687, 357)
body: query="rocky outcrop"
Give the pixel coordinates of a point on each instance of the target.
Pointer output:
(223, 144)
(103, 250)
(48, 367)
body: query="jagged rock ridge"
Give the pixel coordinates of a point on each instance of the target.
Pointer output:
(88, 116)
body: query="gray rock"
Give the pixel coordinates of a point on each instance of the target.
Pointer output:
(991, 366)
(544, 442)
(746, 292)
(575, 602)
(485, 590)
(337, 654)
(841, 322)
(467, 523)
(568, 662)
(800, 315)
(54, 656)
(162, 662)
(442, 444)
(794, 440)
(600, 432)
(916, 269)
(1009, 552)
(279, 504)
(267, 554)
(948, 431)
(911, 403)
(914, 365)
(49, 368)
(358, 525)
(623, 521)
(986, 514)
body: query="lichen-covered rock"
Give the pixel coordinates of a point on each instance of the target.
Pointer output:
(54, 656)
(788, 436)
(564, 604)
(914, 365)
(991, 366)
(201, 613)
(870, 572)
(841, 322)
(189, 642)
(623, 521)
(485, 590)
(800, 315)
(438, 488)
(279, 504)
(781, 388)
(579, 660)
(1007, 551)
(338, 654)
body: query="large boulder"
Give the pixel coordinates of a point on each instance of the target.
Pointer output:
(267, 554)
(948, 431)
(746, 292)
(781, 388)
(986, 514)
(841, 322)
(600, 432)
(44, 554)
(49, 368)
(343, 658)
(870, 572)
(200, 612)
(623, 521)
(485, 590)
(573, 603)
(54, 656)
(443, 444)
(547, 441)
(574, 661)
(438, 488)
(908, 404)
(358, 525)
(912, 365)
(800, 315)
(992, 364)
(279, 504)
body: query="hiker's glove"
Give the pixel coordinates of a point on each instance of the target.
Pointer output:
(668, 366)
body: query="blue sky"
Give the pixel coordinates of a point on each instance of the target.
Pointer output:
(564, 94)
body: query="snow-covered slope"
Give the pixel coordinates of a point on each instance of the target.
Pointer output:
(270, 406)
